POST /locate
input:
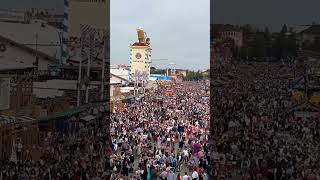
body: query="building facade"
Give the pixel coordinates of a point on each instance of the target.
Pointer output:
(311, 34)
(138, 59)
(227, 31)
(140, 55)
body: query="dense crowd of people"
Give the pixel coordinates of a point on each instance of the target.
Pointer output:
(163, 136)
(80, 153)
(255, 132)
(153, 138)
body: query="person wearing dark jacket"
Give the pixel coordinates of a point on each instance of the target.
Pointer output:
(125, 169)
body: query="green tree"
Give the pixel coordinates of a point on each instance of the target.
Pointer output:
(268, 39)
(247, 30)
(280, 45)
(193, 76)
(284, 29)
(259, 47)
(292, 46)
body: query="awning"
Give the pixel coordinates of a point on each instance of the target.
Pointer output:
(88, 117)
(71, 112)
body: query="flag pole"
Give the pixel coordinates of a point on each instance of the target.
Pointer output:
(103, 65)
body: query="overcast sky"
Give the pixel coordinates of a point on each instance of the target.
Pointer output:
(273, 13)
(178, 29)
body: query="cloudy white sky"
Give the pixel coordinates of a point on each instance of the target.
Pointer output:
(178, 29)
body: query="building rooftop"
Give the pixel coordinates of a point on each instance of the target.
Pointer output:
(13, 65)
(314, 29)
(121, 72)
(299, 29)
(46, 37)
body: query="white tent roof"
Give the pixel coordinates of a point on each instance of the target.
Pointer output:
(121, 72)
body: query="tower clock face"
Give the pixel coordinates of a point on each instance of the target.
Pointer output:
(138, 55)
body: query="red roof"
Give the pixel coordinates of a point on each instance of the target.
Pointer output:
(139, 44)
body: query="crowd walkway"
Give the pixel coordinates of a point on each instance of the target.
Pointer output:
(163, 139)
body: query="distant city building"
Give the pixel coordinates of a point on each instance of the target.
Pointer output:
(311, 33)
(297, 30)
(308, 38)
(22, 47)
(12, 15)
(227, 31)
(52, 17)
(223, 37)
(140, 54)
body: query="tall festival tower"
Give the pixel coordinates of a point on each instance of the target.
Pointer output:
(140, 54)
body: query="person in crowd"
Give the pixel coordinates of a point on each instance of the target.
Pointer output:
(149, 139)
(255, 133)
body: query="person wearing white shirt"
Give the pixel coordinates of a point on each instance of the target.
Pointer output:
(157, 157)
(115, 146)
(186, 177)
(195, 175)
(185, 155)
